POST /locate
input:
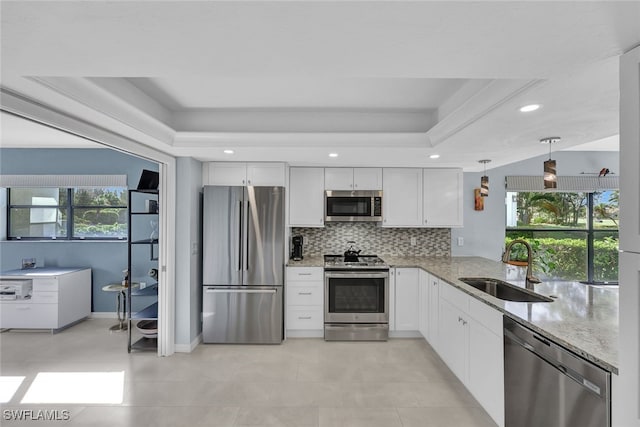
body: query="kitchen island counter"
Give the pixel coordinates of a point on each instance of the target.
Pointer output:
(583, 318)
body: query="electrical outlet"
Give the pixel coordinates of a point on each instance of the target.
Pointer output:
(194, 249)
(414, 241)
(460, 241)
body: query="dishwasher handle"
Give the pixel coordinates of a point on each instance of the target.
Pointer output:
(565, 370)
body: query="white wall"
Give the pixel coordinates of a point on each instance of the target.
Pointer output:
(188, 259)
(484, 231)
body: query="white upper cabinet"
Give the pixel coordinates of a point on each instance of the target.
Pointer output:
(218, 173)
(353, 179)
(306, 197)
(265, 174)
(442, 199)
(630, 151)
(367, 178)
(241, 174)
(338, 178)
(402, 197)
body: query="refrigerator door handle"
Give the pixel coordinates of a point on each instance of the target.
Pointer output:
(240, 217)
(240, 291)
(246, 264)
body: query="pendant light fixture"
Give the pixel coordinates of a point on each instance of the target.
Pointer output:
(550, 176)
(484, 180)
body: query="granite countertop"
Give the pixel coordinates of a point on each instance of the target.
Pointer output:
(582, 318)
(307, 261)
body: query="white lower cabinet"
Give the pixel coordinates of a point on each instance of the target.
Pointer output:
(473, 348)
(423, 302)
(433, 316)
(486, 368)
(454, 349)
(407, 301)
(304, 300)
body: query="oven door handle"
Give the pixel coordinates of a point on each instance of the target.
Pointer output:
(357, 274)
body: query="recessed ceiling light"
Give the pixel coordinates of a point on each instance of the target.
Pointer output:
(529, 108)
(228, 151)
(333, 154)
(434, 156)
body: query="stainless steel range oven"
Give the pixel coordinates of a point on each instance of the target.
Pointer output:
(356, 299)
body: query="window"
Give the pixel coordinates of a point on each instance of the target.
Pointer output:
(574, 235)
(67, 213)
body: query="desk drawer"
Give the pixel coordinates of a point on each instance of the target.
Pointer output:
(44, 298)
(45, 285)
(28, 315)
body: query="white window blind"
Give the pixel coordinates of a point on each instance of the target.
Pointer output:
(580, 183)
(31, 181)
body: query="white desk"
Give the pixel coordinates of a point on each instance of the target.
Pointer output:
(60, 297)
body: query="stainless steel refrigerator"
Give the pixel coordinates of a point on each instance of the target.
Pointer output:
(243, 264)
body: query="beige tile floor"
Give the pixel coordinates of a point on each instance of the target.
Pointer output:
(303, 382)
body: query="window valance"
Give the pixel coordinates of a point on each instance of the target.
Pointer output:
(580, 183)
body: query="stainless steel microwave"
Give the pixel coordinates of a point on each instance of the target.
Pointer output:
(352, 206)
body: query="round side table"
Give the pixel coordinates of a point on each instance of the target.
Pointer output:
(121, 301)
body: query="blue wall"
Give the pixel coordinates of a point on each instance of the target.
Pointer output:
(106, 259)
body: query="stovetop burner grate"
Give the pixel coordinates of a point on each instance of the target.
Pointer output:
(364, 262)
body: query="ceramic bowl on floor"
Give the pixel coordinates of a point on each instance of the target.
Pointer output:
(148, 328)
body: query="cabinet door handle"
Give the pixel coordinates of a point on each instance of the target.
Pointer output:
(304, 274)
(248, 181)
(304, 317)
(304, 293)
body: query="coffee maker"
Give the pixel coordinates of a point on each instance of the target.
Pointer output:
(296, 253)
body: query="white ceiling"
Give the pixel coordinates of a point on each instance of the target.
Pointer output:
(381, 83)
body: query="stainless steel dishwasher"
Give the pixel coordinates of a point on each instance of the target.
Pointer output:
(547, 385)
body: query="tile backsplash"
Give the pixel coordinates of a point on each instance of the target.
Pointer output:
(373, 239)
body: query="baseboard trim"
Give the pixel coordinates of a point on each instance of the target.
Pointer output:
(304, 333)
(188, 348)
(405, 334)
(103, 315)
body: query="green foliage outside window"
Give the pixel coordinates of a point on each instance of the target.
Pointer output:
(97, 213)
(556, 225)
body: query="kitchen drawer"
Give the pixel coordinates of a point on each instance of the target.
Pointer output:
(305, 273)
(309, 318)
(454, 296)
(305, 295)
(487, 316)
(45, 285)
(28, 315)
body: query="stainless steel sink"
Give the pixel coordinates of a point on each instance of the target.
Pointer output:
(503, 290)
